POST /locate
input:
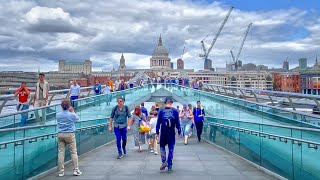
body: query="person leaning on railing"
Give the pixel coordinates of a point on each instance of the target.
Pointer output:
(23, 93)
(66, 136)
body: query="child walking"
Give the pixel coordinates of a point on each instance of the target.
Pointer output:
(153, 123)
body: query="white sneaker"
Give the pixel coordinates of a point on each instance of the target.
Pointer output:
(77, 172)
(151, 150)
(61, 174)
(155, 153)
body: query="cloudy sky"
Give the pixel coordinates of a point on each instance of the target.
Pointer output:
(36, 34)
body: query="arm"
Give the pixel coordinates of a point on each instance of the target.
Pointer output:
(180, 114)
(27, 90)
(69, 93)
(47, 93)
(159, 120)
(178, 124)
(17, 92)
(111, 118)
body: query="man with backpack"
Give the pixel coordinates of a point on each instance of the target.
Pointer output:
(168, 119)
(120, 114)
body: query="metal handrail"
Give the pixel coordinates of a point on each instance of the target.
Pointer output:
(261, 104)
(272, 125)
(3, 145)
(311, 144)
(49, 125)
(6, 98)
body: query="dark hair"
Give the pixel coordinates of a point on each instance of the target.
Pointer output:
(23, 82)
(198, 102)
(120, 98)
(142, 104)
(65, 104)
(41, 74)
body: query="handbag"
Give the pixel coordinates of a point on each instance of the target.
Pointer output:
(143, 127)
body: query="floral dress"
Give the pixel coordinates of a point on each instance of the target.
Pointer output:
(139, 138)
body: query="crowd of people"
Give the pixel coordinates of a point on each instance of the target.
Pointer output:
(159, 125)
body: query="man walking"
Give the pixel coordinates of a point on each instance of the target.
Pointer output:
(97, 89)
(23, 93)
(66, 137)
(198, 113)
(41, 97)
(75, 93)
(120, 114)
(168, 119)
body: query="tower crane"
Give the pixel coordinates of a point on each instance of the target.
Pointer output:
(206, 52)
(236, 59)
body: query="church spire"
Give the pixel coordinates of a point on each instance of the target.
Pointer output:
(160, 41)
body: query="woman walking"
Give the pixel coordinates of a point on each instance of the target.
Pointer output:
(186, 122)
(138, 119)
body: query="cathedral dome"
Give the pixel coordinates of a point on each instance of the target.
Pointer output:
(160, 50)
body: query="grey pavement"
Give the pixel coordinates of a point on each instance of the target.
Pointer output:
(201, 161)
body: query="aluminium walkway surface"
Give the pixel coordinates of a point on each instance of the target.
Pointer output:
(201, 161)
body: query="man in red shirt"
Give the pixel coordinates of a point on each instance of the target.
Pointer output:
(23, 93)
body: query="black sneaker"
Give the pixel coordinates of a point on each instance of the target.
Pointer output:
(163, 166)
(119, 156)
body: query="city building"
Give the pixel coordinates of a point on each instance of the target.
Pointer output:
(207, 64)
(262, 68)
(249, 67)
(160, 58)
(285, 65)
(310, 82)
(316, 65)
(250, 79)
(303, 64)
(287, 82)
(180, 64)
(11, 80)
(75, 67)
(210, 77)
(59, 80)
(122, 66)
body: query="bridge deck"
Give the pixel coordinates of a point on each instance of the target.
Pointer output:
(200, 161)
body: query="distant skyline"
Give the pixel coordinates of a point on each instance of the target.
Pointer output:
(37, 34)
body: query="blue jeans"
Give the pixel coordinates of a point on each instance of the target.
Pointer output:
(170, 154)
(121, 133)
(74, 104)
(186, 129)
(24, 116)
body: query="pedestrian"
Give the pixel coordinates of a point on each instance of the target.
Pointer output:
(192, 125)
(41, 98)
(74, 94)
(120, 114)
(153, 124)
(66, 137)
(97, 89)
(138, 119)
(199, 114)
(168, 120)
(23, 93)
(186, 122)
(144, 110)
(131, 83)
(153, 110)
(106, 91)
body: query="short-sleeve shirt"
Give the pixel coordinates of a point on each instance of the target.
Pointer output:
(120, 116)
(22, 95)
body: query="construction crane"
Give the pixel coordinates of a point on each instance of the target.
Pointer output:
(236, 59)
(206, 53)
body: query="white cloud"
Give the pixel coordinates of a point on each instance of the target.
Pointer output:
(77, 30)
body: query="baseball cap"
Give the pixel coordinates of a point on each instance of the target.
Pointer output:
(185, 106)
